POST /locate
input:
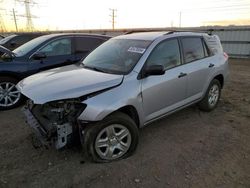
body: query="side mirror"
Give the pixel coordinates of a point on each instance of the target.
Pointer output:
(39, 56)
(154, 70)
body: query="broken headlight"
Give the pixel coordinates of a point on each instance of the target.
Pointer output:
(65, 110)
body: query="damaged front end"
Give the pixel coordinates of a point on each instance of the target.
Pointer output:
(54, 123)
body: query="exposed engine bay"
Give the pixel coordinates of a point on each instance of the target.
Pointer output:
(54, 122)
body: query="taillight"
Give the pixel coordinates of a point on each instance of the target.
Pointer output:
(225, 55)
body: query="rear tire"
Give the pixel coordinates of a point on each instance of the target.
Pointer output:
(212, 96)
(114, 138)
(10, 97)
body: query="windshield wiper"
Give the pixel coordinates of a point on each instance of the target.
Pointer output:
(93, 68)
(102, 70)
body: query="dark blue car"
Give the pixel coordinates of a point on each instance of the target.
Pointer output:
(12, 42)
(42, 53)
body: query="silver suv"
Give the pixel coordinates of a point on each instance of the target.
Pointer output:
(125, 84)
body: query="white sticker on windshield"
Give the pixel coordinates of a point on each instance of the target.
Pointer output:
(137, 50)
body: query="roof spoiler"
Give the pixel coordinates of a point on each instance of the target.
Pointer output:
(209, 32)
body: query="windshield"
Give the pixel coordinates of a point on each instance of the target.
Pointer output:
(116, 56)
(27, 47)
(6, 39)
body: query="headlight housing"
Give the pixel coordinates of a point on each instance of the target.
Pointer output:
(66, 107)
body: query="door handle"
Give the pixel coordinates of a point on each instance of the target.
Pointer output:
(182, 75)
(211, 65)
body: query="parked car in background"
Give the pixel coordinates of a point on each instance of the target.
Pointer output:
(42, 53)
(1, 37)
(125, 84)
(11, 42)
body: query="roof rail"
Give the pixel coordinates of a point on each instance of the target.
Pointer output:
(144, 30)
(209, 32)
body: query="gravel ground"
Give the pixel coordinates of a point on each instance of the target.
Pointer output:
(187, 149)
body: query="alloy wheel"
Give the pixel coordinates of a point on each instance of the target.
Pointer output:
(213, 95)
(113, 142)
(9, 94)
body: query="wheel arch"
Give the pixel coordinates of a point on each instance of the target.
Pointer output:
(220, 78)
(131, 112)
(10, 75)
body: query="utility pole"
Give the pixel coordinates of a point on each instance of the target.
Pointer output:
(14, 17)
(2, 25)
(180, 19)
(28, 15)
(113, 16)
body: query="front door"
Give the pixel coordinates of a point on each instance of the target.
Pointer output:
(57, 53)
(164, 93)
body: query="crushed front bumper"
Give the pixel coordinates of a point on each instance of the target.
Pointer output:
(59, 139)
(39, 131)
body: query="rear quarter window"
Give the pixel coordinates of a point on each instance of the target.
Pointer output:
(214, 44)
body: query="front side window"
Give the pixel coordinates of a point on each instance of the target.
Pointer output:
(116, 56)
(57, 47)
(192, 49)
(167, 54)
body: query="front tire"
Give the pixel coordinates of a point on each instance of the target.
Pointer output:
(114, 138)
(212, 96)
(10, 97)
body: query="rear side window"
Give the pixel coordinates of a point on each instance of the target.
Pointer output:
(86, 44)
(166, 53)
(192, 49)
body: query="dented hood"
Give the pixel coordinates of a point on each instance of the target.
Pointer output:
(66, 82)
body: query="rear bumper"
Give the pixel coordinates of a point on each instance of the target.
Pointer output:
(39, 131)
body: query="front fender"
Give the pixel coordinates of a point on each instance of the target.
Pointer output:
(100, 106)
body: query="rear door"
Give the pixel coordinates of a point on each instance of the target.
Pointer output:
(83, 45)
(197, 65)
(164, 93)
(58, 52)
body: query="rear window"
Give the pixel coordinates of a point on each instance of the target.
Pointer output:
(192, 49)
(6, 39)
(28, 46)
(86, 44)
(23, 38)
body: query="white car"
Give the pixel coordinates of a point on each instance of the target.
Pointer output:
(126, 83)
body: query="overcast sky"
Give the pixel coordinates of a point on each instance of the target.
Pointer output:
(94, 14)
